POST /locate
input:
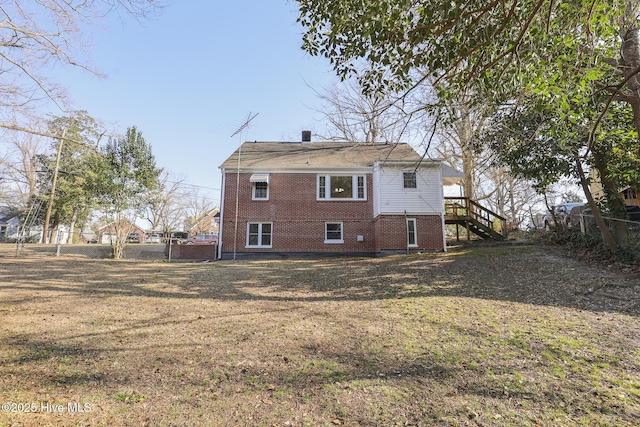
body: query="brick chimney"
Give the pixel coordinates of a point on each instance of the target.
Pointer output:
(306, 136)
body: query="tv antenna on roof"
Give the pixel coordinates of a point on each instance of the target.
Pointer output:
(245, 124)
(239, 131)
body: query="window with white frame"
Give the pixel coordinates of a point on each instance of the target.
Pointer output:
(260, 186)
(409, 180)
(360, 187)
(333, 232)
(260, 191)
(412, 238)
(341, 187)
(259, 234)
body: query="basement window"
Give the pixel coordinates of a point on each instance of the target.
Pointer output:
(333, 232)
(259, 235)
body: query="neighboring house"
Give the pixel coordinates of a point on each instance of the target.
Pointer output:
(9, 227)
(59, 235)
(631, 197)
(107, 234)
(205, 223)
(629, 194)
(321, 197)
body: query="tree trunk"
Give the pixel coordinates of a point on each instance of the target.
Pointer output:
(118, 245)
(512, 203)
(614, 201)
(465, 131)
(72, 225)
(630, 51)
(53, 189)
(606, 235)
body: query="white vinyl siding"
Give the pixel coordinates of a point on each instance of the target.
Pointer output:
(392, 198)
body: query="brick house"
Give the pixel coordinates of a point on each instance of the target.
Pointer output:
(295, 198)
(107, 234)
(203, 223)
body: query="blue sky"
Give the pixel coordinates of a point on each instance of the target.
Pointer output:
(189, 78)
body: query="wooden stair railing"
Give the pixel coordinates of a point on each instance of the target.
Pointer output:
(475, 218)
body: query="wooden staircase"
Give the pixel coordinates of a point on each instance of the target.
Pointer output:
(475, 218)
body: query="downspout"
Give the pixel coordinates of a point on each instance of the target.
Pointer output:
(222, 192)
(444, 233)
(442, 212)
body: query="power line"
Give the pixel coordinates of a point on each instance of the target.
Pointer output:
(16, 164)
(192, 185)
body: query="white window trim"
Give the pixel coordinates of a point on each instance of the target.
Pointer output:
(415, 232)
(253, 192)
(354, 187)
(402, 181)
(259, 245)
(334, 241)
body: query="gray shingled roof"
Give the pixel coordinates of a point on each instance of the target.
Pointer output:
(317, 154)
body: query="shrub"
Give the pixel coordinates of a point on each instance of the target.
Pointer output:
(593, 244)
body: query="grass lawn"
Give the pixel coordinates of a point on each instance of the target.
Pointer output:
(489, 336)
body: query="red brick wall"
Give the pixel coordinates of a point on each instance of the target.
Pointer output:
(391, 230)
(298, 218)
(191, 251)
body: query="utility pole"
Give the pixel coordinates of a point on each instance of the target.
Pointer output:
(45, 232)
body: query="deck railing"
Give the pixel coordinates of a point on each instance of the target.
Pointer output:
(464, 208)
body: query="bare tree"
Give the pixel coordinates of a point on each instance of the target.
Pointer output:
(197, 207)
(19, 169)
(459, 143)
(511, 197)
(356, 116)
(167, 206)
(35, 36)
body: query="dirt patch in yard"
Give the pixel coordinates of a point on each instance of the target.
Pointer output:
(483, 336)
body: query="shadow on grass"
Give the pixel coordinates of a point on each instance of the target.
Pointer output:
(524, 275)
(409, 361)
